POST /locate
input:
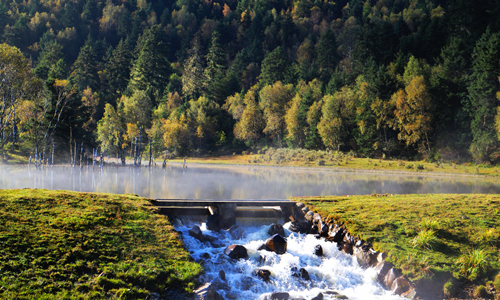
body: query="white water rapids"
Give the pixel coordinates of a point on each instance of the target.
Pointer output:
(334, 271)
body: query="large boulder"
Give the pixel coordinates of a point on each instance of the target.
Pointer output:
(207, 292)
(390, 277)
(276, 229)
(382, 269)
(318, 297)
(196, 233)
(236, 251)
(336, 233)
(214, 222)
(366, 257)
(400, 285)
(277, 244)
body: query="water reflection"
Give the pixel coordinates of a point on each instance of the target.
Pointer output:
(235, 182)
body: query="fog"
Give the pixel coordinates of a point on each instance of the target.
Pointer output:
(235, 182)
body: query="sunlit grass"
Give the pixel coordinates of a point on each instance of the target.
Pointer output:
(425, 239)
(59, 244)
(423, 234)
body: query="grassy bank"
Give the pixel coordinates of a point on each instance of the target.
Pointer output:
(430, 237)
(69, 245)
(346, 161)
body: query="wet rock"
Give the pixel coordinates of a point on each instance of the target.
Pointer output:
(410, 294)
(390, 277)
(196, 233)
(347, 247)
(280, 296)
(301, 273)
(214, 242)
(382, 270)
(359, 243)
(236, 232)
(276, 229)
(236, 251)
(381, 257)
(205, 255)
(323, 229)
(222, 275)
(336, 233)
(400, 285)
(318, 297)
(277, 244)
(300, 205)
(309, 215)
(214, 222)
(316, 218)
(207, 292)
(262, 247)
(305, 209)
(366, 257)
(263, 274)
(154, 296)
(318, 250)
(301, 226)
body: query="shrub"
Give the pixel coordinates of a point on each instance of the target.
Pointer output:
(425, 239)
(429, 224)
(401, 163)
(321, 162)
(473, 263)
(409, 166)
(419, 167)
(480, 292)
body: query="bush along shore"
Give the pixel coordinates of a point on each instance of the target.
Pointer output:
(70, 245)
(422, 246)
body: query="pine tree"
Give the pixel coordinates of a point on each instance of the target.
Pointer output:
(214, 74)
(118, 67)
(482, 87)
(274, 67)
(328, 57)
(85, 68)
(192, 75)
(151, 69)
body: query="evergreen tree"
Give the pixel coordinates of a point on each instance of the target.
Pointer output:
(328, 57)
(214, 74)
(483, 85)
(118, 67)
(151, 69)
(85, 68)
(274, 67)
(192, 75)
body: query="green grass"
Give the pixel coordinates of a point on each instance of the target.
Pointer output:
(69, 245)
(424, 234)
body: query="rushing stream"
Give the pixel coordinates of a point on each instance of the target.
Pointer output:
(334, 272)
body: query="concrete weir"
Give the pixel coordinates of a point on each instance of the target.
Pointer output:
(227, 209)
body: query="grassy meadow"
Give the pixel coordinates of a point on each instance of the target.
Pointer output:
(430, 237)
(346, 162)
(70, 245)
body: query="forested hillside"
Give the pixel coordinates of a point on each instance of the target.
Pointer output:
(394, 78)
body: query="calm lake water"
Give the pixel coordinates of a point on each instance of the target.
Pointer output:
(236, 182)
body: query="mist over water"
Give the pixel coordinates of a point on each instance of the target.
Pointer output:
(235, 182)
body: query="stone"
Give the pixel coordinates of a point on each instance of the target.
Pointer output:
(227, 211)
(309, 216)
(305, 209)
(207, 292)
(222, 275)
(236, 251)
(277, 244)
(280, 296)
(323, 229)
(214, 222)
(390, 277)
(336, 233)
(318, 250)
(205, 255)
(301, 273)
(263, 274)
(400, 285)
(196, 233)
(276, 229)
(381, 257)
(347, 247)
(300, 205)
(316, 218)
(410, 294)
(318, 297)
(382, 270)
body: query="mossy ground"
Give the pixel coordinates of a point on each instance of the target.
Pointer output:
(70, 245)
(391, 223)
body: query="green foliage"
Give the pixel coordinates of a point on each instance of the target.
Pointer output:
(425, 239)
(480, 292)
(473, 263)
(84, 245)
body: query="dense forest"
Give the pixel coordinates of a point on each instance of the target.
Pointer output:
(392, 78)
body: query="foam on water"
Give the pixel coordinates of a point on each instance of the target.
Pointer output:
(335, 271)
